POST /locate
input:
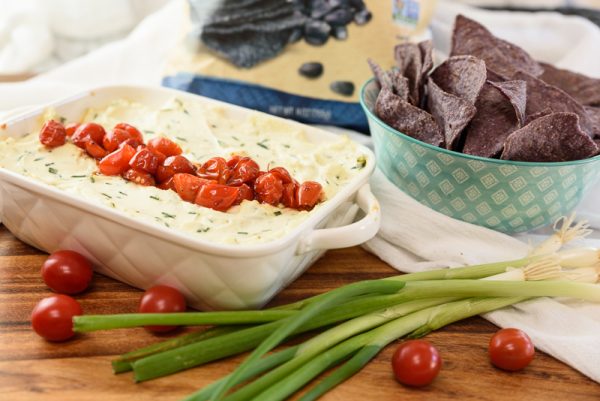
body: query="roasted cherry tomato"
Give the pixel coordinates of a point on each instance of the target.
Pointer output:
(53, 134)
(416, 363)
(162, 299)
(133, 132)
(244, 171)
(86, 132)
(114, 138)
(95, 150)
(165, 146)
(169, 184)
(117, 162)
(71, 128)
(289, 197)
(215, 169)
(268, 188)
(173, 165)
(511, 349)
(217, 196)
(144, 160)
(188, 185)
(139, 177)
(67, 272)
(245, 193)
(282, 174)
(52, 317)
(308, 194)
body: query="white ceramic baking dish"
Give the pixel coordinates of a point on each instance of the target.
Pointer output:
(211, 275)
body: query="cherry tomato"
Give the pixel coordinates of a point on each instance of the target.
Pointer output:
(117, 162)
(308, 194)
(245, 193)
(52, 317)
(169, 184)
(71, 128)
(95, 150)
(133, 132)
(188, 185)
(268, 189)
(244, 170)
(511, 349)
(173, 165)
(139, 177)
(53, 134)
(88, 131)
(114, 138)
(67, 272)
(289, 197)
(282, 174)
(217, 196)
(144, 160)
(215, 169)
(162, 299)
(165, 146)
(416, 363)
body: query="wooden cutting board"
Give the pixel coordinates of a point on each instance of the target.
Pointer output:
(79, 370)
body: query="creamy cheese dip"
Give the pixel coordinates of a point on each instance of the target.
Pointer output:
(202, 132)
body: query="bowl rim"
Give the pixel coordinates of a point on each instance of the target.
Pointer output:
(372, 116)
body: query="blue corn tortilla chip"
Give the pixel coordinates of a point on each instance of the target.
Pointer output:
(452, 113)
(426, 48)
(382, 77)
(516, 93)
(391, 79)
(542, 96)
(414, 61)
(584, 89)
(556, 137)
(408, 119)
(470, 37)
(594, 116)
(495, 120)
(461, 76)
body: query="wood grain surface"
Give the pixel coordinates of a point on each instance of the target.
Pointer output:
(79, 370)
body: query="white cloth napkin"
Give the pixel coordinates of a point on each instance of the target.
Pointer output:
(412, 237)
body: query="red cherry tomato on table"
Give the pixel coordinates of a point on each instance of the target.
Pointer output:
(416, 363)
(162, 299)
(52, 317)
(53, 134)
(86, 132)
(511, 349)
(67, 272)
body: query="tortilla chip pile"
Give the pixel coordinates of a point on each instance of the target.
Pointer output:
(490, 99)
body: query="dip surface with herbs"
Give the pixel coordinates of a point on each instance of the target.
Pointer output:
(202, 132)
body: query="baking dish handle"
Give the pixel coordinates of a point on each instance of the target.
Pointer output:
(350, 235)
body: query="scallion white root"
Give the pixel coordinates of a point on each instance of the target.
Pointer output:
(579, 257)
(564, 231)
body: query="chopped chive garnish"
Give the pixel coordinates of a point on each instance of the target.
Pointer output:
(52, 170)
(95, 116)
(285, 145)
(122, 193)
(107, 195)
(185, 111)
(49, 164)
(148, 131)
(277, 213)
(108, 183)
(181, 139)
(235, 137)
(203, 230)
(192, 212)
(221, 143)
(62, 119)
(113, 204)
(37, 159)
(92, 179)
(242, 232)
(154, 197)
(81, 176)
(170, 216)
(262, 145)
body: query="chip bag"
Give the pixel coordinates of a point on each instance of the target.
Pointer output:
(300, 59)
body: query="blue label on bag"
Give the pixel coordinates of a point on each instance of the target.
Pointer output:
(300, 108)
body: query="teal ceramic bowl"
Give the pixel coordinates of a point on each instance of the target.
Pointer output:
(504, 195)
